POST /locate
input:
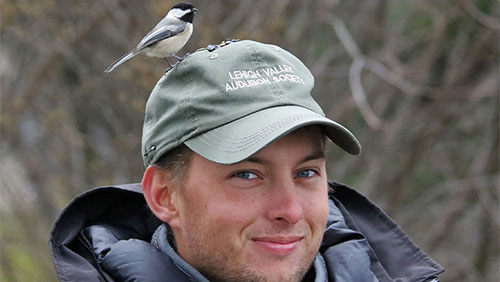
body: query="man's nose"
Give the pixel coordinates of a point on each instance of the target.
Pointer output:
(283, 204)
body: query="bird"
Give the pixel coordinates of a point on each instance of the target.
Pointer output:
(166, 38)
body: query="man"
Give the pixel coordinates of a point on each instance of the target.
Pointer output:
(234, 149)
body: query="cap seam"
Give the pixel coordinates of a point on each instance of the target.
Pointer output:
(258, 62)
(191, 114)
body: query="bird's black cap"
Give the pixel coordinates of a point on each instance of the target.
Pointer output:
(184, 6)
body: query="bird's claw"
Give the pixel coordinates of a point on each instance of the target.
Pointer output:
(180, 58)
(171, 67)
(177, 57)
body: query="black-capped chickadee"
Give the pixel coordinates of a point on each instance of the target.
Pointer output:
(166, 38)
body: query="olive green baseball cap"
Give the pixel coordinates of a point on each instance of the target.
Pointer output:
(227, 102)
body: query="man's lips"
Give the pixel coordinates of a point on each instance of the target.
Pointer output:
(277, 245)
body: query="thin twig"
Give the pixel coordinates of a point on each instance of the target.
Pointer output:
(345, 37)
(358, 93)
(357, 66)
(391, 77)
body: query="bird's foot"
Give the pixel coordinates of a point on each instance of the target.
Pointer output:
(170, 67)
(180, 58)
(177, 57)
(168, 63)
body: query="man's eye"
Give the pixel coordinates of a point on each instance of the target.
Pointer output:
(246, 175)
(306, 173)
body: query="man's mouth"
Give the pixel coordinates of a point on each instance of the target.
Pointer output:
(277, 245)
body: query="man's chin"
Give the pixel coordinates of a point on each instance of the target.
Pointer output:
(253, 276)
(277, 265)
(272, 272)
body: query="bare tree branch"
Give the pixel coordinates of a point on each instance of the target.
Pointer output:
(358, 93)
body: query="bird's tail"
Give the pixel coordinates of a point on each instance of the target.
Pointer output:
(123, 59)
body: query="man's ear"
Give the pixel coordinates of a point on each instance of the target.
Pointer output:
(158, 194)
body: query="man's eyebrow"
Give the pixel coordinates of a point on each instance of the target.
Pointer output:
(257, 160)
(316, 155)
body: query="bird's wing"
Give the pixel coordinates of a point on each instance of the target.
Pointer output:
(164, 29)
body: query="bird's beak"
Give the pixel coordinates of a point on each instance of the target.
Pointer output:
(195, 10)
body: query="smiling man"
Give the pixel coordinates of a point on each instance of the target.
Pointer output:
(261, 219)
(234, 149)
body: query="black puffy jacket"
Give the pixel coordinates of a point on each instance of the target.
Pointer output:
(105, 234)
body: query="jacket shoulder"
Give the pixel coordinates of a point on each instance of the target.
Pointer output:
(392, 252)
(122, 206)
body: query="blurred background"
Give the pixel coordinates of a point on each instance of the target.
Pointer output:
(416, 81)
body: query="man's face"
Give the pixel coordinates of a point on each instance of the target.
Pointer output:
(258, 220)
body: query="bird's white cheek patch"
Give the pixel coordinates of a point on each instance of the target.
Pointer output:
(179, 13)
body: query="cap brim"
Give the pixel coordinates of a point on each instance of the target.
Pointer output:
(241, 138)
